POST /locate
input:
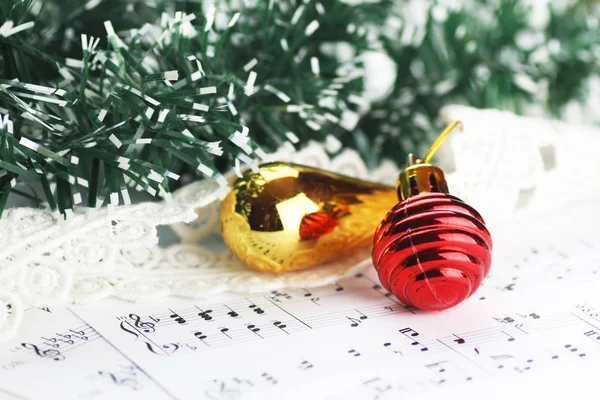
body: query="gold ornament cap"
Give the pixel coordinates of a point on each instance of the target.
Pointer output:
(422, 177)
(419, 177)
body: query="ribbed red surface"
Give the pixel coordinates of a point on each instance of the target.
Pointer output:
(432, 251)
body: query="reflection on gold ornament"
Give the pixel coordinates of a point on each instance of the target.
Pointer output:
(287, 217)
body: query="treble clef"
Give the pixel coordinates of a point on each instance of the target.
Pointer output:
(125, 327)
(147, 327)
(49, 353)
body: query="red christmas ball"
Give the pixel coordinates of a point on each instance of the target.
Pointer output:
(432, 251)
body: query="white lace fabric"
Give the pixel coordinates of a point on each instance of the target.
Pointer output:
(97, 253)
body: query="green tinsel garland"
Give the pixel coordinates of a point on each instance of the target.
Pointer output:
(101, 96)
(484, 53)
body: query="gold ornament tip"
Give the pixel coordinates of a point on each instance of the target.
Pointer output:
(288, 217)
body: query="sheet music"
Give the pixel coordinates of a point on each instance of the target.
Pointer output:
(57, 355)
(245, 347)
(537, 314)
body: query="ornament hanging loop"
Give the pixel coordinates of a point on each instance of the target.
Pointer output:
(438, 142)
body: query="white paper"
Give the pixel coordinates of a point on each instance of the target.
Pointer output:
(57, 355)
(286, 340)
(537, 315)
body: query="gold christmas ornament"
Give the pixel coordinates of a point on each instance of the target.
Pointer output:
(287, 217)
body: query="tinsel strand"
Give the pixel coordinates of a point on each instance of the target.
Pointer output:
(103, 98)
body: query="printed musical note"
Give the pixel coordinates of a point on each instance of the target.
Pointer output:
(353, 352)
(520, 327)
(458, 339)
(252, 328)
(501, 357)
(305, 365)
(232, 313)
(192, 347)
(589, 311)
(277, 295)
(49, 353)
(595, 336)
(81, 335)
(530, 315)
(201, 336)
(269, 378)
(177, 318)
(412, 333)
(51, 342)
(68, 338)
(574, 350)
(409, 331)
(205, 314)
(510, 337)
(505, 320)
(224, 332)
(315, 300)
(65, 338)
(354, 322)
(554, 355)
(256, 309)
(437, 366)
(281, 326)
(338, 288)
(391, 348)
(245, 382)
